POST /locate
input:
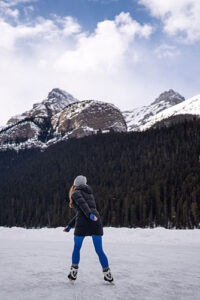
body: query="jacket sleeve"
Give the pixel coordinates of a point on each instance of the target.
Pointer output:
(81, 203)
(71, 223)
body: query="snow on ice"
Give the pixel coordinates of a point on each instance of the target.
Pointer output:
(146, 264)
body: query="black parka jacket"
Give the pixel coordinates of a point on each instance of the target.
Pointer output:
(84, 205)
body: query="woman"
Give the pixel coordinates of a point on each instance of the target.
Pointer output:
(87, 222)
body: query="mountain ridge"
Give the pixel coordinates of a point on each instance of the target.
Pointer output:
(61, 116)
(137, 117)
(189, 107)
(58, 117)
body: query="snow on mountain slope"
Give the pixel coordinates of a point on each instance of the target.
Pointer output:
(190, 106)
(58, 118)
(61, 116)
(57, 99)
(139, 116)
(25, 130)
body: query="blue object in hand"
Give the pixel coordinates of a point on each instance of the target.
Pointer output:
(93, 217)
(67, 228)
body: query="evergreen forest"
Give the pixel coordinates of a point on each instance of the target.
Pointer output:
(139, 179)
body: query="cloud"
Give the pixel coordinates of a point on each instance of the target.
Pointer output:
(41, 32)
(10, 3)
(14, 13)
(168, 51)
(116, 62)
(106, 48)
(28, 10)
(69, 25)
(180, 17)
(8, 9)
(44, 53)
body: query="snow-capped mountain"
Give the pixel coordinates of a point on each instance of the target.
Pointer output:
(61, 116)
(57, 99)
(139, 116)
(181, 111)
(57, 118)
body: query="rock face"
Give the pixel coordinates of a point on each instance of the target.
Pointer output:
(23, 131)
(86, 117)
(60, 117)
(139, 116)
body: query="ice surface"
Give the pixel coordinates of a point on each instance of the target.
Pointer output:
(146, 264)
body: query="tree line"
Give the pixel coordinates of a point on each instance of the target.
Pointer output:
(139, 179)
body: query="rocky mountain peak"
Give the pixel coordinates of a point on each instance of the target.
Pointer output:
(58, 117)
(169, 96)
(139, 116)
(59, 94)
(56, 100)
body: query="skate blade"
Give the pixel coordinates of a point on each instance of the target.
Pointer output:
(109, 282)
(72, 281)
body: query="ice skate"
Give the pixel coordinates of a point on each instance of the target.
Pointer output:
(73, 273)
(107, 275)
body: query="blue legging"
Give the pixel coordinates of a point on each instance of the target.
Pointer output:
(97, 241)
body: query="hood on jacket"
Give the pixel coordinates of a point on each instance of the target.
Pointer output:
(84, 187)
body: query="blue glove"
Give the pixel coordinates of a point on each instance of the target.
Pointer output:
(67, 228)
(93, 217)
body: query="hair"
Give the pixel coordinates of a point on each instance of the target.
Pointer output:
(72, 189)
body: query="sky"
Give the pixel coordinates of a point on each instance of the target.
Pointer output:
(124, 52)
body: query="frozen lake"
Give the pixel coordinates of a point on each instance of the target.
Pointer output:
(146, 264)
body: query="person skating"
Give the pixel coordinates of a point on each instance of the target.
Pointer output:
(87, 222)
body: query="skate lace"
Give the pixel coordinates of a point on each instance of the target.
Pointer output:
(73, 272)
(107, 274)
